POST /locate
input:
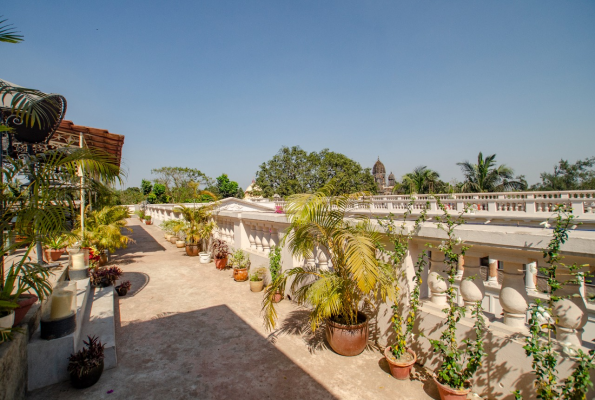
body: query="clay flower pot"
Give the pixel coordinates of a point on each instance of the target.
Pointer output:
(53, 255)
(399, 370)
(221, 263)
(148, 221)
(278, 297)
(448, 393)
(88, 379)
(348, 340)
(173, 239)
(240, 274)
(256, 286)
(180, 244)
(191, 249)
(25, 302)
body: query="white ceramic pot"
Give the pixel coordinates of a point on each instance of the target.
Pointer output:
(7, 321)
(205, 257)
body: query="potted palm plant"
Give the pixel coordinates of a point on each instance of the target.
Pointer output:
(197, 226)
(86, 365)
(220, 253)
(103, 230)
(55, 247)
(240, 263)
(335, 295)
(257, 280)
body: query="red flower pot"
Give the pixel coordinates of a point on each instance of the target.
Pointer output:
(399, 370)
(221, 263)
(25, 303)
(448, 393)
(348, 340)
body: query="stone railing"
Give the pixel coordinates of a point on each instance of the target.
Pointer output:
(520, 203)
(516, 248)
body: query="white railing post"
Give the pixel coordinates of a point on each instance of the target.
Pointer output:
(513, 296)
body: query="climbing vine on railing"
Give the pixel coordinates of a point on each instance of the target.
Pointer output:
(458, 364)
(542, 324)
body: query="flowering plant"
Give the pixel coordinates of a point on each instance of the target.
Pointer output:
(279, 210)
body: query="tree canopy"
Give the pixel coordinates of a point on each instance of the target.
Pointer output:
(226, 188)
(486, 176)
(567, 176)
(294, 171)
(422, 180)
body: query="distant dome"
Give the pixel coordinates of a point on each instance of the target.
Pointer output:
(391, 176)
(378, 168)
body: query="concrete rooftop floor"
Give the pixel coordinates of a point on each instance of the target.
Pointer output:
(189, 331)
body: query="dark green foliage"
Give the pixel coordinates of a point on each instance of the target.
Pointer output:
(146, 187)
(294, 171)
(226, 188)
(486, 176)
(566, 176)
(179, 183)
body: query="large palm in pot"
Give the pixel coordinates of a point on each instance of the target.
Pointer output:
(355, 277)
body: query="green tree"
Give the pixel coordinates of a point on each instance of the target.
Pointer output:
(131, 195)
(8, 34)
(159, 190)
(486, 176)
(567, 176)
(422, 180)
(146, 186)
(294, 171)
(227, 188)
(177, 181)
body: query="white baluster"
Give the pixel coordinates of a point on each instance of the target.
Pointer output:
(258, 238)
(531, 277)
(322, 261)
(251, 236)
(460, 268)
(274, 237)
(437, 278)
(492, 272)
(513, 296)
(266, 236)
(571, 313)
(472, 288)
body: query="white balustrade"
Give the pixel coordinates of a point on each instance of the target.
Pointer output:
(322, 261)
(258, 238)
(251, 235)
(492, 272)
(570, 312)
(266, 236)
(531, 277)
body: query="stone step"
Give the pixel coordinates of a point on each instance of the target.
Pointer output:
(48, 359)
(99, 321)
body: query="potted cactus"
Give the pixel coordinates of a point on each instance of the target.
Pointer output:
(86, 365)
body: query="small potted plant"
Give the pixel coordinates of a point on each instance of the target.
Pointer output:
(275, 269)
(54, 247)
(148, 220)
(240, 263)
(220, 253)
(141, 215)
(257, 280)
(86, 365)
(399, 356)
(123, 288)
(104, 277)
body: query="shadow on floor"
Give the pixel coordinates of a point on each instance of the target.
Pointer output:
(208, 354)
(138, 281)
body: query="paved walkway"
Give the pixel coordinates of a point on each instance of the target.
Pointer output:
(189, 331)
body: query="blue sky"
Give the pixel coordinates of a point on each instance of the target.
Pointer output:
(222, 85)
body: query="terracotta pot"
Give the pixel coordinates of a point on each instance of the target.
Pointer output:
(88, 379)
(240, 274)
(256, 286)
(53, 255)
(348, 340)
(448, 393)
(180, 244)
(148, 222)
(191, 249)
(221, 263)
(173, 239)
(25, 302)
(278, 297)
(7, 321)
(397, 369)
